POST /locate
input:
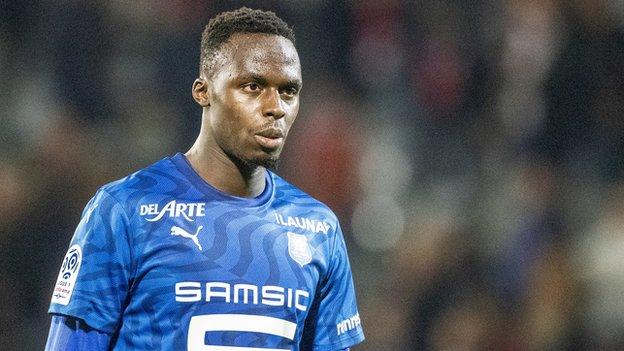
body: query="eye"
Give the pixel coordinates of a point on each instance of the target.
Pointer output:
(251, 87)
(289, 92)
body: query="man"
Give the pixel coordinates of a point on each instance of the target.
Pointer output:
(209, 250)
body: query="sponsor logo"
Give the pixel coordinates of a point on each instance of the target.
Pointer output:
(66, 280)
(348, 324)
(269, 295)
(173, 209)
(312, 225)
(298, 248)
(177, 231)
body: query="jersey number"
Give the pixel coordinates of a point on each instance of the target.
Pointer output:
(200, 325)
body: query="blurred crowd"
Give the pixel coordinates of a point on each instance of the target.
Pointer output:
(473, 150)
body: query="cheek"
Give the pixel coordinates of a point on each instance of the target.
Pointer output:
(292, 116)
(234, 117)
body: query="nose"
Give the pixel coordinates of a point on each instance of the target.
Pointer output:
(272, 104)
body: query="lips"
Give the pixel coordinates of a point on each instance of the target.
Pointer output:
(270, 138)
(272, 133)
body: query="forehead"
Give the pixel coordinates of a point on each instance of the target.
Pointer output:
(256, 53)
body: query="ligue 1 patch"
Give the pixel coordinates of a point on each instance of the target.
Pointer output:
(66, 280)
(298, 248)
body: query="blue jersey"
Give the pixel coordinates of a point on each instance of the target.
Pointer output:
(162, 260)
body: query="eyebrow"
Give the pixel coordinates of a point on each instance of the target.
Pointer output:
(256, 78)
(294, 83)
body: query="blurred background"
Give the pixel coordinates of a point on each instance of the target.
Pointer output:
(473, 150)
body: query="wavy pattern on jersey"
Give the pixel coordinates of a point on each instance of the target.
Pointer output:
(131, 265)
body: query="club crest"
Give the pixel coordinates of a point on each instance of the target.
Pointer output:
(299, 249)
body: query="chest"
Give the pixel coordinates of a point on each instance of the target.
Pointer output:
(225, 259)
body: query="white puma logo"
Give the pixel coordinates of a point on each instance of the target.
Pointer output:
(183, 233)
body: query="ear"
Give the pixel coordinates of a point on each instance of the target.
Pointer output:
(200, 92)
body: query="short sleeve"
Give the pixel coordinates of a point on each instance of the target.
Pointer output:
(68, 334)
(333, 322)
(96, 271)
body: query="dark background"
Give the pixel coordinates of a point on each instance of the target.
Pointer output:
(473, 150)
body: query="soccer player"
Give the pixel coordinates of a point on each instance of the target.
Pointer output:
(210, 250)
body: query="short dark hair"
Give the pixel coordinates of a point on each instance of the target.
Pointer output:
(244, 20)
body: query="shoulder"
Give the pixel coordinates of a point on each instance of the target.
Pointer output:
(150, 178)
(286, 191)
(122, 197)
(113, 208)
(298, 201)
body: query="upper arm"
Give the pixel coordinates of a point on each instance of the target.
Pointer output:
(95, 275)
(333, 321)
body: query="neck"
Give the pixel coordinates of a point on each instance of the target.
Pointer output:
(222, 171)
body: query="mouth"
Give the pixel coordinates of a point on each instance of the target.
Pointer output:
(270, 138)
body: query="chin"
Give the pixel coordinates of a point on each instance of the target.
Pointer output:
(267, 159)
(269, 162)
